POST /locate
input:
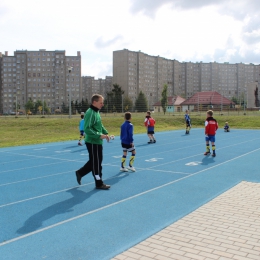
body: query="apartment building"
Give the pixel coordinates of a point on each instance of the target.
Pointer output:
(91, 86)
(39, 75)
(137, 71)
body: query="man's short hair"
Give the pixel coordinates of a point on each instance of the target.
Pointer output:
(210, 112)
(127, 115)
(96, 98)
(148, 112)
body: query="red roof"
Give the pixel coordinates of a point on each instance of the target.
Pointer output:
(207, 98)
(172, 101)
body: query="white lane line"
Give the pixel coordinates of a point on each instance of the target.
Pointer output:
(118, 202)
(38, 149)
(41, 196)
(36, 178)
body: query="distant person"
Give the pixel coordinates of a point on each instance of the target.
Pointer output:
(95, 132)
(127, 142)
(226, 127)
(149, 123)
(81, 129)
(187, 121)
(211, 126)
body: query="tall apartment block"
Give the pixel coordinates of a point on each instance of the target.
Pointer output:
(137, 71)
(91, 86)
(39, 75)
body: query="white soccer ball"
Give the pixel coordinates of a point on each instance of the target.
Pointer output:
(112, 137)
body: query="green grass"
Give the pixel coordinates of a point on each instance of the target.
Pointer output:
(16, 131)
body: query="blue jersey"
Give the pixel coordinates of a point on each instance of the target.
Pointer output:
(81, 125)
(126, 134)
(187, 118)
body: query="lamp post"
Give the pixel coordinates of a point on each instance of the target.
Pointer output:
(122, 104)
(16, 112)
(69, 69)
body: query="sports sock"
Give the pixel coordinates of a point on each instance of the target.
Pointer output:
(207, 148)
(123, 159)
(213, 148)
(132, 159)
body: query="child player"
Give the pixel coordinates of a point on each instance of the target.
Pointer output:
(127, 142)
(211, 126)
(149, 123)
(226, 127)
(81, 129)
(187, 121)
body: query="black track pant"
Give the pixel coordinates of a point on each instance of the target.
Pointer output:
(94, 164)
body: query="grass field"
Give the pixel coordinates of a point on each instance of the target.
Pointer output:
(16, 131)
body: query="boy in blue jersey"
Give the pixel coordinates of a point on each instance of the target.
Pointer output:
(187, 121)
(81, 129)
(127, 142)
(226, 127)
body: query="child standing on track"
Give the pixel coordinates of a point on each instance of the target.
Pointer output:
(187, 121)
(81, 129)
(149, 123)
(127, 142)
(211, 126)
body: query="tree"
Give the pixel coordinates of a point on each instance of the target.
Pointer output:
(141, 103)
(64, 108)
(128, 104)
(29, 106)
(235, 100)
(164, 98)
(118, 96)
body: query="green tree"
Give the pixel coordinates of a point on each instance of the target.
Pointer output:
(37, 104)
(235, 100)
(128, 104)
(64, 109)
(29, 106)
(117, 97)
(164, 98)
(141, 103)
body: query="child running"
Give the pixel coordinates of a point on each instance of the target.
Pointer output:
(187, 121)
(81, 129)
(127, 142)
(211, 126)
(149, 123)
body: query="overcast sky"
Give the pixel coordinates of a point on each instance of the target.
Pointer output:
(185, 30)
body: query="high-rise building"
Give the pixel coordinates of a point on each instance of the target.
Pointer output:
(137, 71)
(91, 86)
(39, 75)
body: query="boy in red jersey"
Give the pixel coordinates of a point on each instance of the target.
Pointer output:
(211, 126)
(149, 123)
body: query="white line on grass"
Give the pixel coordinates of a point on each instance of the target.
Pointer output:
(118, 202)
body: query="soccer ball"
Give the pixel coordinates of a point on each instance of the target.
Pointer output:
(112, 137)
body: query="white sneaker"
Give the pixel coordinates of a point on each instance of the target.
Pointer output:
(131, 168)
(123, 170)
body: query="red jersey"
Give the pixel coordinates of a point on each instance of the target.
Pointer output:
(149, 121)
(211, 126)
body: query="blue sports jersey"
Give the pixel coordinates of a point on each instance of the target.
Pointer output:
(126, 134)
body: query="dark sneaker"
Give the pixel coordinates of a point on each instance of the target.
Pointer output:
(207, 153)
(154, 141)
(103, 187)
(78, 177)
(213, 155)
(79, 143)
(150, 142)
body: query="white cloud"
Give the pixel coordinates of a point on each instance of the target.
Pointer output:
(185, 30)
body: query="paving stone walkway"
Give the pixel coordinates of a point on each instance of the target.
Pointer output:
(228, 227)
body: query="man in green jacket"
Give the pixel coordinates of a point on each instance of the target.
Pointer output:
(95, 132)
